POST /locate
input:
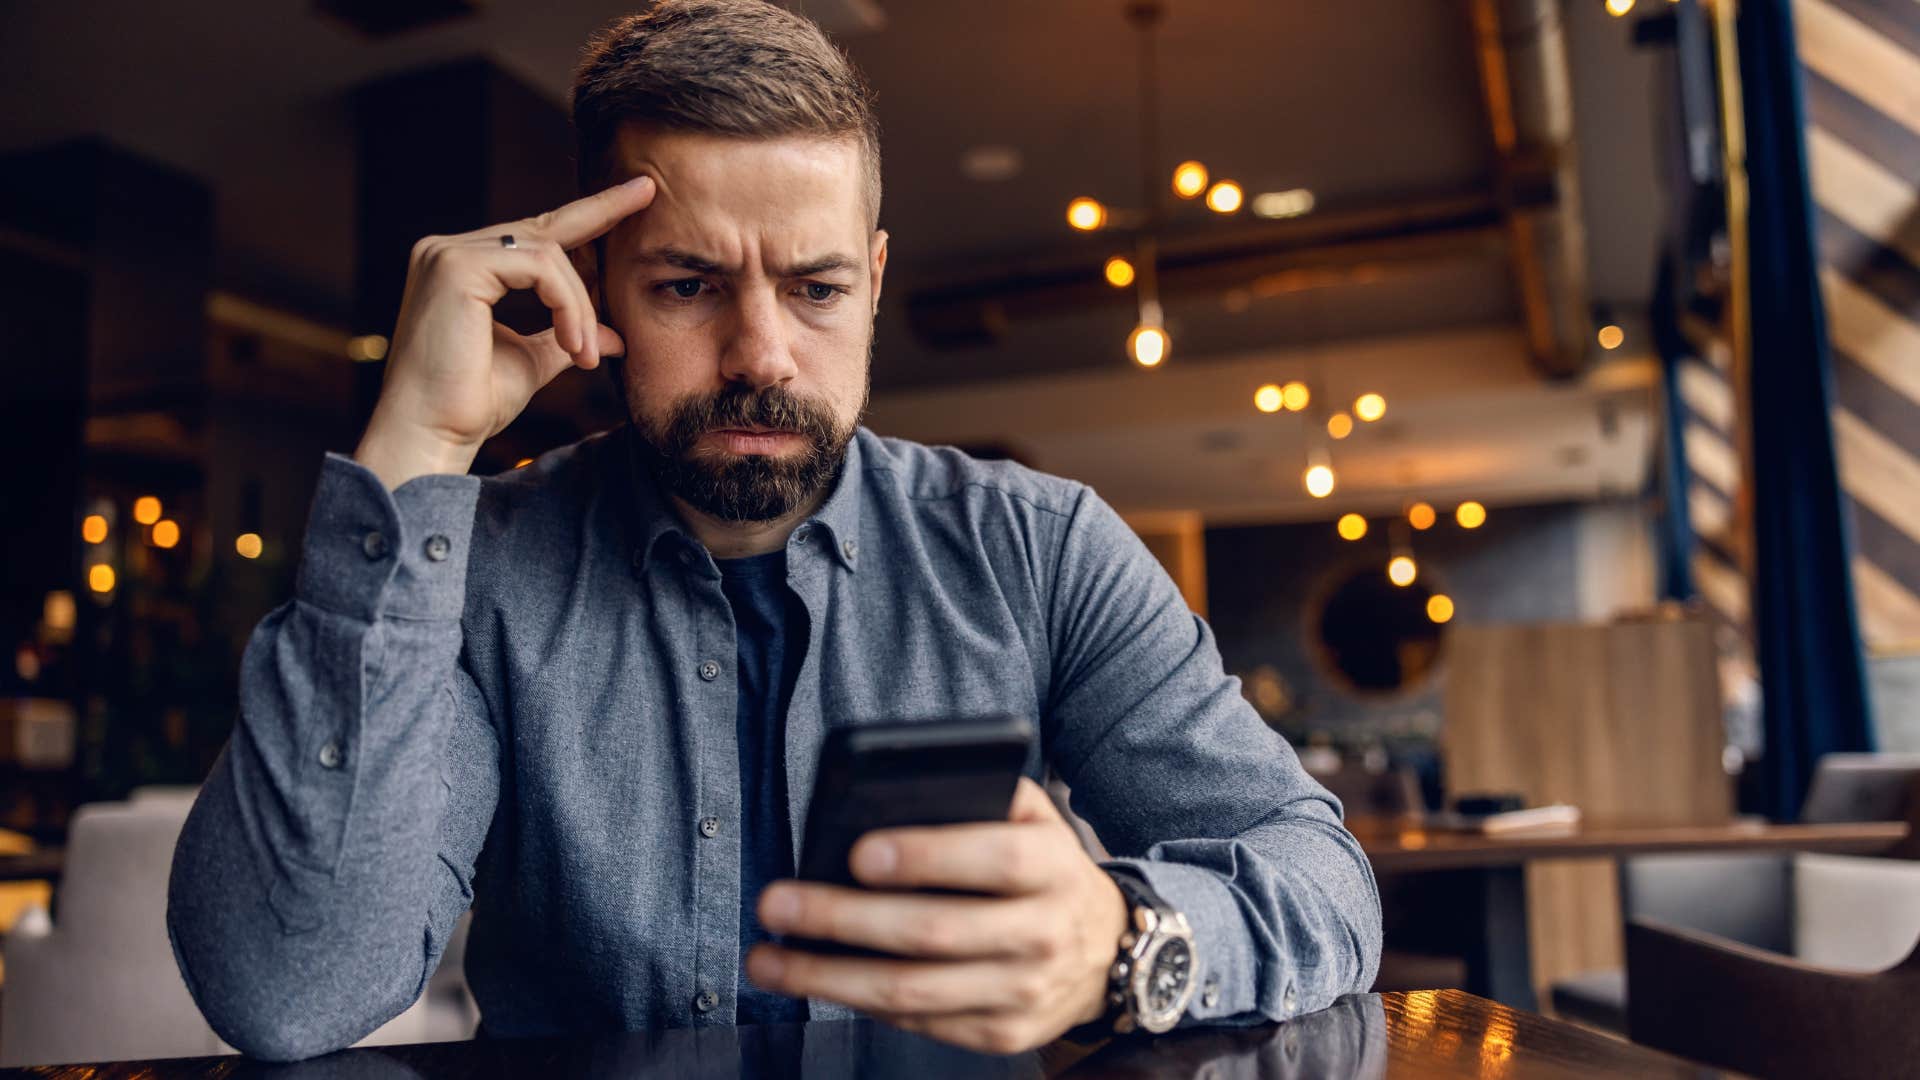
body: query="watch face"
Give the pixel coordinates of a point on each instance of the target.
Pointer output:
(1167, 978)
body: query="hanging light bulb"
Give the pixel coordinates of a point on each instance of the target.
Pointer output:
(1421, 516)
(100, 578)
(1401, 570)
(94, 529)
(1086, 214)
(166, 533)
(1295, 396)
(1439, 607)
(1611, 337)
(1369, 407)
(146, 509)
(1189, 179)
(1339, 425)
(1351, 526)
(1470, 515)
(1119, 272)
(1224, 197)
(1618, 8)
(1148, 345)
(1319, 475)
(1268, 398)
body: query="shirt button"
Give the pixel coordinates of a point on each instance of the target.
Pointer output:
(710, 670)
(709, 827)
(330, 755)
(438, 547)
(850, 548)
(1289, 1001)
(374, 544)
(802, 533)
(706, 1001)
(1210, 994)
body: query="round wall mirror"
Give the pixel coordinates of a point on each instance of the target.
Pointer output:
(1375, 636)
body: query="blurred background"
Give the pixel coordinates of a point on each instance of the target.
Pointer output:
(1527, 391)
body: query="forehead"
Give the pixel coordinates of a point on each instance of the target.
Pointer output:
(789, 196)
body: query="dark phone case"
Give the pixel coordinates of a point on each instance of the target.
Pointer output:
(886, 775)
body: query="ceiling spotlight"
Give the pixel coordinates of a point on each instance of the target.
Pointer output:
(1086, 214)
(1224, 197)
(1119, 272)
(1283, 204)
(1617, 8)
(1189, 179)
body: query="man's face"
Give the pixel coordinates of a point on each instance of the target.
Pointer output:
(745, 294)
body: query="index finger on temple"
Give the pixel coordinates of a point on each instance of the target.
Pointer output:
(587, 218)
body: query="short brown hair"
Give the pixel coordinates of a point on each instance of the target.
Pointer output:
(720, 67)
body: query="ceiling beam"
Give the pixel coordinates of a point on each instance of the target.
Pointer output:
(1546, 245)
(1352, 245)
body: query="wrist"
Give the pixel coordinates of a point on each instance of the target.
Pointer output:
(397, 452)
(1112, 917)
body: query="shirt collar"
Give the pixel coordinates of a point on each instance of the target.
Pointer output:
(834, 526)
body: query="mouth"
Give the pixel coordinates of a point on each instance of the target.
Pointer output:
(751, 440)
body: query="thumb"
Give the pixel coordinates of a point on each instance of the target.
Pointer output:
(1031, 803)
(610, 343)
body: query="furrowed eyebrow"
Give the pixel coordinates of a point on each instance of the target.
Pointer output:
(701, 264)
(677, 257)
(822, 265)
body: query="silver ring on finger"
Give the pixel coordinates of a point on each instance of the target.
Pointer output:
(506, 241)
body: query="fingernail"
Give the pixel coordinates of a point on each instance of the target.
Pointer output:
(779, 908)
(877, 858)
(643, 178)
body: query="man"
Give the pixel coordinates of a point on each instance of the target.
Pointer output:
(585, 698)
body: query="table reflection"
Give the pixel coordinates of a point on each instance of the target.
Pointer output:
(1349, 1039)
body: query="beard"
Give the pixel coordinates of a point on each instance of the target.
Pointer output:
(750, 487)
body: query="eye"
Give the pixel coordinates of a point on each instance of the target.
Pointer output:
(822, 293)
(684, 288)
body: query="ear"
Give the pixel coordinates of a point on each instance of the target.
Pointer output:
(877, 264)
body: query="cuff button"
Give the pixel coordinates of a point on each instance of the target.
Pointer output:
(438, 547)
(330, 756)
(374, 544)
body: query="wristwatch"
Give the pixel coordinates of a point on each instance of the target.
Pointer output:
(1152, 981)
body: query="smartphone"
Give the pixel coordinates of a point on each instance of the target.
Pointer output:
(881, 776)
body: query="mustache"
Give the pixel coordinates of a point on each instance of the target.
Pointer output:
(739, 406)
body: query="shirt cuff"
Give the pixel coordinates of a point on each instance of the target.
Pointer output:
(1223, 949)
(370, 552)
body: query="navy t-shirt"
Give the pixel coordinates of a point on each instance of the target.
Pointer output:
(770, 624)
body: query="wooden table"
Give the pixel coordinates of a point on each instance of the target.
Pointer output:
(1480, 880)
(1426, 1033)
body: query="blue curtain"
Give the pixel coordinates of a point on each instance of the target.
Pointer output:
(1812, 678)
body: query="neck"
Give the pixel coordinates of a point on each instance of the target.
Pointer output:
(740, 539)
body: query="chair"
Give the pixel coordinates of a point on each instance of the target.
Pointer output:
(1722, 1003)
(99, 983)
(1776, 902)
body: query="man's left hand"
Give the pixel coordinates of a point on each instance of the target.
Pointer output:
(1006, 969)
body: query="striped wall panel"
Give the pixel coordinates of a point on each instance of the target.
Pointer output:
(1862, 61)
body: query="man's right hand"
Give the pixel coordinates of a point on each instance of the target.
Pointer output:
(456, 377)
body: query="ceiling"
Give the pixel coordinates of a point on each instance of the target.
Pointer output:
(1361, 101)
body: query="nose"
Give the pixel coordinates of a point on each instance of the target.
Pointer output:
(758, 352)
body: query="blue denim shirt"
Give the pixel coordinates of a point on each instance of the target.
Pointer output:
(516, 694)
